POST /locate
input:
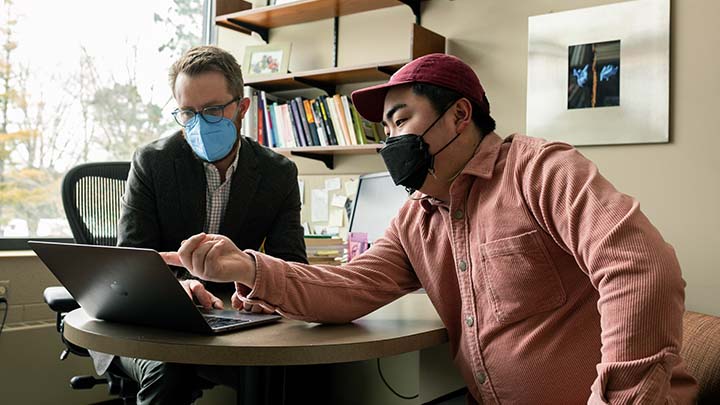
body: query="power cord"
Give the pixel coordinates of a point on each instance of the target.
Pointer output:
(391, 388)
(2, 325)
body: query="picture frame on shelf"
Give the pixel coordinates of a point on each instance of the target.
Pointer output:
(600, 75)
(265, 61)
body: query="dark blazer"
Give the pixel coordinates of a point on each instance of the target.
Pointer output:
(164, 203)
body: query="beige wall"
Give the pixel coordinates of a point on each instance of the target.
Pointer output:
(677, 184)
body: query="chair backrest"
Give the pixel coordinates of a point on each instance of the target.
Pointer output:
(701, 351)
(91, 195)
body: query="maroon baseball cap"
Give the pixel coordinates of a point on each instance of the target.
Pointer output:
(438, 69)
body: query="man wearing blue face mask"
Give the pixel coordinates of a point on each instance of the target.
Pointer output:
(206, 177)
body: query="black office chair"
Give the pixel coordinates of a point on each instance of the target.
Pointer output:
(91, 195)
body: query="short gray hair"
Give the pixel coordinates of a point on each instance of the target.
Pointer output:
(207, 58)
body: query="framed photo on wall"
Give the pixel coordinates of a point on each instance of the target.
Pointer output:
(266, 60)
(600, 75)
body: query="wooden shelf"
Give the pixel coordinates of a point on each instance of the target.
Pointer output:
(326, 79)
(423, 42)
(264, 18)
(326, 154)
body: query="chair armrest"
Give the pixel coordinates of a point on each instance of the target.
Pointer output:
(701, 344)
(59, 299)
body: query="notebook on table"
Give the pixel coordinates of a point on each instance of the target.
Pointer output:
(135, 286)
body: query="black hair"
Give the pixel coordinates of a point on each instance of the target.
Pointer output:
(441, 98)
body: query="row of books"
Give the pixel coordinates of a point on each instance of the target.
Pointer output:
(298, 121)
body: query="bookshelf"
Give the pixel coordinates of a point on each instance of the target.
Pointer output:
(262, 19)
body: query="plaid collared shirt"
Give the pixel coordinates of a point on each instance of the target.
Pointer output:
(217, 193)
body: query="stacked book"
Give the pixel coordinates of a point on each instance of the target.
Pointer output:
(323, 250)
(298, 122)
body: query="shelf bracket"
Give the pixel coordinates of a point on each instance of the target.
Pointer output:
(327, 159)
(388, 71)
(263, 32)
(327, 88)
(415, 7)
(336, 25)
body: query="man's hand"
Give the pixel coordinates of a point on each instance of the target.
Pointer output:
(213, 258)
(194, 288)
(239, 304)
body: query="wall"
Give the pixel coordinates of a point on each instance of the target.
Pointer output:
(676, 183)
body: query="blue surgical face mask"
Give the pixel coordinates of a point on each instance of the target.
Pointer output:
(211, 141)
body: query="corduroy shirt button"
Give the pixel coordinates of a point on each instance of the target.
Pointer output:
(462, 265)
(458, 214)
(469, 321)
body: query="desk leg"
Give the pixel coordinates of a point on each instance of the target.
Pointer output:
(261, 386)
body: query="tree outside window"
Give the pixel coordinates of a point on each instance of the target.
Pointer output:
(80, 81)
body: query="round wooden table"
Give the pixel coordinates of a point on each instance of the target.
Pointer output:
(405, 325)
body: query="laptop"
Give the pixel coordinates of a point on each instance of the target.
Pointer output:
(135, 286)
(377, 202)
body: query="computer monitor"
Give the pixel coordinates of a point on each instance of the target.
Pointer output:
(377, 202)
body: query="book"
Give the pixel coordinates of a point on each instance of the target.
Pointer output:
(324, 250)
(297, 132)
(288, 135)
(303, 119)
(348, 118)
(332, 138)
(357, 244)
(357, 124)
(319, 123)
(274, 125)
(332, 111)
(249, 123)
(311, 123)
(267, 123)
(340, 111)
(262, 130)
(370, 130)
(298, 123)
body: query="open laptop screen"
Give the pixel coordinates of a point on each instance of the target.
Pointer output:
(377, 202)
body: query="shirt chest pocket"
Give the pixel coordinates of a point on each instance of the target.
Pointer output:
(519, 277)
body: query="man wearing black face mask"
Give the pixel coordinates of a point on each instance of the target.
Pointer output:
(554, 287)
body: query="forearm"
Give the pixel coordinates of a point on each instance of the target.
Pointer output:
(329, 294)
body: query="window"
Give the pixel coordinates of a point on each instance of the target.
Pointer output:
(80, 81)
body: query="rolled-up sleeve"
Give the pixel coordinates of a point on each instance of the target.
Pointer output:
(634, 270)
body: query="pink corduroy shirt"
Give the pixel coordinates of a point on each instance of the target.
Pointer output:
(553, 286)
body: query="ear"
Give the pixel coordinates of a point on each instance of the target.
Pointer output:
(243, 106)
(462, 114)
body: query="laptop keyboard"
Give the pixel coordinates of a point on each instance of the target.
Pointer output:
(217, 322)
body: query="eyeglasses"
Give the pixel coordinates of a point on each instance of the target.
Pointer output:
(211, 114)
